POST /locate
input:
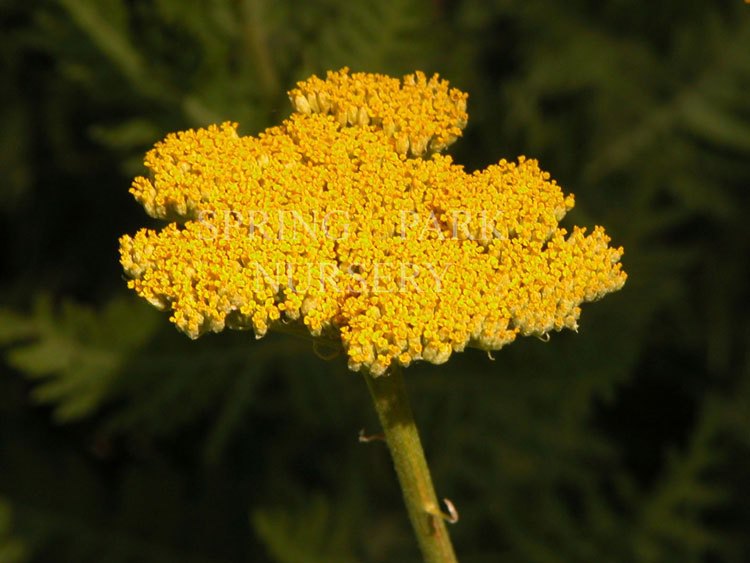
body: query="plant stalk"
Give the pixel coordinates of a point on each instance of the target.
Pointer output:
(392, 404)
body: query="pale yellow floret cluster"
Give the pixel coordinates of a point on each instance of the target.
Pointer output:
(327, 222)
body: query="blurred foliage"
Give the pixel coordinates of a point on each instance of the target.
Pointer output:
(123, 441)
(11, 549)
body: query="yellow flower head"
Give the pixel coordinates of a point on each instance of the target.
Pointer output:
(346, 220)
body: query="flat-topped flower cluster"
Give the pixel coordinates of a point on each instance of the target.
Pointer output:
(473, 259)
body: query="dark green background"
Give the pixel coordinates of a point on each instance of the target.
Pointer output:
(123, 441)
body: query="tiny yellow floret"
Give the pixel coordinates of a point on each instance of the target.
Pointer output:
(348, 220)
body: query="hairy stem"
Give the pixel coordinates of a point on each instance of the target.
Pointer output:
(392, 403)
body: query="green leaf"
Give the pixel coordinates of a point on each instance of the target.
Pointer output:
(75, 355)
(106, 25)
(310, 533)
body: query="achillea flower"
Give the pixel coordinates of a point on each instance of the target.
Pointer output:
(346, 219)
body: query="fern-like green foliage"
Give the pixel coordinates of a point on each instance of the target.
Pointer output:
(123, 441)
(75, 354)
(669, 521)
(314, 533)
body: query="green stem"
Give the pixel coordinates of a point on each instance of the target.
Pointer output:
(392, 403)
(257, 47)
